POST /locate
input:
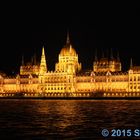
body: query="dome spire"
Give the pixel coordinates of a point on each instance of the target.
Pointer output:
(68, 38)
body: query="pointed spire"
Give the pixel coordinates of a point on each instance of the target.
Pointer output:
(70, 48)
(68, 38)
(43, 66)
(118, 56)
(32, 60)
(35, 59)
(103, 54)
(22, 63)
(95, 55)
(111, 53)
(131, 63)
(107, 53)
(43, 51)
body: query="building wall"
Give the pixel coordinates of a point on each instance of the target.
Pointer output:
(134, 81)
(106, 76)
(63, 82)
(56, 82)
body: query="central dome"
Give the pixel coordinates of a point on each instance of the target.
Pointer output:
(68, 51)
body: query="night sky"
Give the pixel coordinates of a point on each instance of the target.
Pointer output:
(25, 31)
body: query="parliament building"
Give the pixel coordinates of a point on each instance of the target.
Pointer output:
(105, 79)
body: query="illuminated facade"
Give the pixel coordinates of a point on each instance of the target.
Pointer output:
(69, 80)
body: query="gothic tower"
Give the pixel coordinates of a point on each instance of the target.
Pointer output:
(43, 66)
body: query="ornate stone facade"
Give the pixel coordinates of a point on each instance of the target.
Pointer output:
(69, 80)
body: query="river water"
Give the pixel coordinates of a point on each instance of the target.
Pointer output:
(66, 119)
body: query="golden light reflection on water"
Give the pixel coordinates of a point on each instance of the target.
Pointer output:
(63, 112)
(68, 111)
(66, 118)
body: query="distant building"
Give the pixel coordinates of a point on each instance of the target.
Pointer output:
(106, 79)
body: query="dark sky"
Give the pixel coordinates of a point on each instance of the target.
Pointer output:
(25, 31)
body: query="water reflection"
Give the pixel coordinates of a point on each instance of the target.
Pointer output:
(57, 119)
